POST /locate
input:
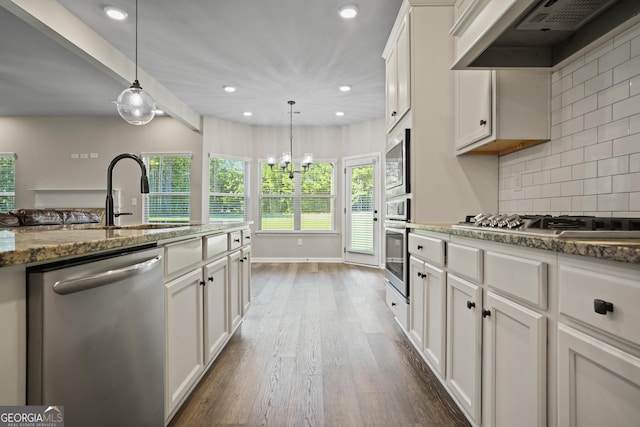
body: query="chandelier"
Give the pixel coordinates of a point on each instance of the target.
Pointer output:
(286, 163)
(134, 105)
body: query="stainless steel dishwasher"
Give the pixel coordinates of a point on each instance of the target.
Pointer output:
(96, 339)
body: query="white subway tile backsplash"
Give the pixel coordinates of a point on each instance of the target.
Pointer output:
(627, 145)
(613, 94)
(613, 202)
(614, 57)
(612, 130)
(598, 151)
(626, 70)
(598, 83)
(591, 165)
(613, 166)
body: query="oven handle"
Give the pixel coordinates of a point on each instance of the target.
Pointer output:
(64, 287)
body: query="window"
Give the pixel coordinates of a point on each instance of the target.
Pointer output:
(7, 181)
(169, 188)
(304, 203)
(228, 189)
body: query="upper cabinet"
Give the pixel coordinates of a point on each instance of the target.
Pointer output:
(398, 81)
(498, 112)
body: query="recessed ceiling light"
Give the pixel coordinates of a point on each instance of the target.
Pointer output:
(229, 89)
(348, 12)
(345, 88)
(339, 113)
(115, 13)
(247, 113)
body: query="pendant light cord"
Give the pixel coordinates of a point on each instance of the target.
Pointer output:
(136, 40)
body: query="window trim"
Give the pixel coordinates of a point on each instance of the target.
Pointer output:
(13, 193)
(298, 194)
(247, 183)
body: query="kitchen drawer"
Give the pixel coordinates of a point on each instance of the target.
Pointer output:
(465, 261)
(215, 245)
(522, 278)
(579, 288)
(235, 239)
(398, 306)
(181, 255)
(246, 237)
(427, 248)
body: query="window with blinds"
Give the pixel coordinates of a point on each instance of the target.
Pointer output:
(169, 195)
(228, 189)
(7, 181)
(304, 203)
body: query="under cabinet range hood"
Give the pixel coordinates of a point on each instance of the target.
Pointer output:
(536, 33)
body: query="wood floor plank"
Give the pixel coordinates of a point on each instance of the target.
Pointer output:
(318, 348)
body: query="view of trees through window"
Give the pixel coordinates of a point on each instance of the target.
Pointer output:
(7, 182)
(228, 190)
(169, 189)
(306, 202)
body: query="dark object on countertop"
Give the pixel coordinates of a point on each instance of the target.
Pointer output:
(29, 217)
(37, 216)
(8, 220)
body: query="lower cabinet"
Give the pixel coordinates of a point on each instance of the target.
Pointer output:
(598, 384)
(216, 323)
(464, 344)
(184, 336)
(514, 356)
(235, 289)
(246, 279)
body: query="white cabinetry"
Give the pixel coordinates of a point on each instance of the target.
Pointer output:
(216, 323)
(398, 76)
(235, 289)
(184, 336)
(598, 344)
(245, 277)
(501, 111)
(13, 351)
(464, 344)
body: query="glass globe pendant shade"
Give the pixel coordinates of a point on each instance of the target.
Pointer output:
(136, 106)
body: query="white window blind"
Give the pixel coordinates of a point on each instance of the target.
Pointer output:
(169, 195)
(7, 181)
(228, 189)
(360, 219)
(304, 203)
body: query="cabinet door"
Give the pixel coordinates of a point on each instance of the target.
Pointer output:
(435, 317)
(464, 338)
(391, 88)
(417, 280)
(403, 70)
(473, 107)
(246, 279)
(598, 385)
(235, 286)
(184, 337)
(216, 291)
(514, 364)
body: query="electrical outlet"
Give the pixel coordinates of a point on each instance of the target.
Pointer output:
(134, 202)
(74, 155)
(93, 155)
(299, 242)
(84, 156)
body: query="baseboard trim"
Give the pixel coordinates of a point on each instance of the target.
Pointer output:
(295, 260)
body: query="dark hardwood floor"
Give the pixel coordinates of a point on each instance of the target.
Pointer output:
(318, 348)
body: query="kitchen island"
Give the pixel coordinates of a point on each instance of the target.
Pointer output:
(194, 255)
(515, 324)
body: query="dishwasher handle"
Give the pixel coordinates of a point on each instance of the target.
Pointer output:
(64, 287)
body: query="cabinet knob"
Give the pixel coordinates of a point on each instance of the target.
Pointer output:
(421, 275)
(242, 259)
(394, 113)
(602, 306)
(483, 122)
(202, 283)
(470, 305)
(210, 278)
(236, 240)
(419, 247)
(393, 304)
(486, 313)
(247, 237)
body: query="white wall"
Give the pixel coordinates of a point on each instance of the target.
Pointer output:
(591, 166)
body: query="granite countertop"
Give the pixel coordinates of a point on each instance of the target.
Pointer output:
(623, 250)
(29, 245)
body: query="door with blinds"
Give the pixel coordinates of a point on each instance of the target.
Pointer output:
(362, 224)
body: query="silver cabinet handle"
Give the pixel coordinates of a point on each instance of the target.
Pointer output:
(64, 287)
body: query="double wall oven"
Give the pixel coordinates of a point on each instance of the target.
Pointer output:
(397, 211)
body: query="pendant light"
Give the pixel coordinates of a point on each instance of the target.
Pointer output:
(134, 105)
(286, 162)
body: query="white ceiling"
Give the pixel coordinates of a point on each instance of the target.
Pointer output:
(272, 50)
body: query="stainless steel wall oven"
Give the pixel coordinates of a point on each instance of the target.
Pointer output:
(396, 256)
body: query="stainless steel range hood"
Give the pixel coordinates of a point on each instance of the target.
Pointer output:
(535, 33)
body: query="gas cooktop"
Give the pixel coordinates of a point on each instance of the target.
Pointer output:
(562, 226)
